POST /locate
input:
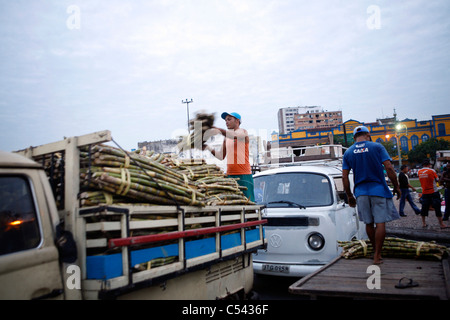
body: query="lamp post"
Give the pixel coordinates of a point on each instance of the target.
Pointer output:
(398, 127)
(188, 124)
(187, 103)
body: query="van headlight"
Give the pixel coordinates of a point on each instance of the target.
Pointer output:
(316, 241)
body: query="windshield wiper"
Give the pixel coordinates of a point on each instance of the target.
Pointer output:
(289, 202)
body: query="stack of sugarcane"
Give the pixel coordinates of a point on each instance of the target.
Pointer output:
(211, 181)
(395, 248)
(198, 126)
(109, 175)
(222, 191)
(135, 177)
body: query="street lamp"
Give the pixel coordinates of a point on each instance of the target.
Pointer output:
(399, 127)
(188, 124)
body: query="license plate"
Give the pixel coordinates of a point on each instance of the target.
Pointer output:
(275, 268)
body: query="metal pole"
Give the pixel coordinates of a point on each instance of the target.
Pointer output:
(187, 103)
(188, 122)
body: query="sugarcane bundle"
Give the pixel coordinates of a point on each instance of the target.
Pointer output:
(198, 127)
(222, 191)
(394, 247)
(154, 179)
(135, 177)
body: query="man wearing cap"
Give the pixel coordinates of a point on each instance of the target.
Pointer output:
(236, 149)
(430, 193)
(374, 199)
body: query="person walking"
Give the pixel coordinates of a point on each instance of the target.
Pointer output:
(404, 188)
(430, 194)
(235, 148)
(373, 197)
(445, 181)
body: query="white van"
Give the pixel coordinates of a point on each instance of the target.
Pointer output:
(307, 213)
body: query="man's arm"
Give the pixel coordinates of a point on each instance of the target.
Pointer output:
(348, 191)
(393, 177)
(221, 154)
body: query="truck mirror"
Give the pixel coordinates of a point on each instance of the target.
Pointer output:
(66, 245)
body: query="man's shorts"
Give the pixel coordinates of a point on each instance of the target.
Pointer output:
(431, 199)
(373, 209)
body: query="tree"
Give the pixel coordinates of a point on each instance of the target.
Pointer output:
(426, 150)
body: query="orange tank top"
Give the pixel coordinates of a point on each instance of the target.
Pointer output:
(238, 154)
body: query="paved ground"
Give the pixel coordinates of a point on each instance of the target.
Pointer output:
(412, 224)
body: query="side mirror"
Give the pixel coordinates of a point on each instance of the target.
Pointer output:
(66, 245)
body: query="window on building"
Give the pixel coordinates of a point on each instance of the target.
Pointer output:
(404, 143)
(441, 129)
(414, 141)
(425, 137)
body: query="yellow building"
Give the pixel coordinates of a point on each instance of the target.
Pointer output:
(410, 132)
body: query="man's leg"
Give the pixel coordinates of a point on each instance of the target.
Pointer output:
(376, 236)
(402, 202)
(380, 235)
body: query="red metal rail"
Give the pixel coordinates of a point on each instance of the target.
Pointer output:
(122, 242)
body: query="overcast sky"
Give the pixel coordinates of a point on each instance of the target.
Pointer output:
(74, 67)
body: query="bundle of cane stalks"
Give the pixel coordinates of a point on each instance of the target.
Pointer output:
(394, 248)
(198, 127)
(109, 175)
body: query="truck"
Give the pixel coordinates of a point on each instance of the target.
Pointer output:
(307, 212)
(52, 247)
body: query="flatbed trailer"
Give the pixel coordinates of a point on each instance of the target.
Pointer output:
(347, 278)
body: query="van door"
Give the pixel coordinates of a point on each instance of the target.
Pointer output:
(347, 222)
(29, 263)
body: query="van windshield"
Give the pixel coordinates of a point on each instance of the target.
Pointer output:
(306, 189)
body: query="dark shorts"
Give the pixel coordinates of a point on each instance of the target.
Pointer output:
(246, 180)
(431, 199)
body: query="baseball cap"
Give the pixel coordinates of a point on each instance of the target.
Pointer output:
(360, 129)
(233, 114)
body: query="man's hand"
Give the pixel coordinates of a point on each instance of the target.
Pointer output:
(398, 192)
(351, 201)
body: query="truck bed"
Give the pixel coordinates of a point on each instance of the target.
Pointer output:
(348, 278)
(131, 245)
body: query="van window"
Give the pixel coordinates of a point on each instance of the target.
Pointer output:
(19, 227)
(306, 189)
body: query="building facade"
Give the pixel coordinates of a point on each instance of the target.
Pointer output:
(307, 117)
(409, 132)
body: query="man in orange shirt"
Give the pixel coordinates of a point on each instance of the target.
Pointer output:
(236, 148)
(430, 194)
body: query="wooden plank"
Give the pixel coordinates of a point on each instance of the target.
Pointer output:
(96, 137)
(348, 278)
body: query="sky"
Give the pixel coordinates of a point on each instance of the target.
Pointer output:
(69, 68)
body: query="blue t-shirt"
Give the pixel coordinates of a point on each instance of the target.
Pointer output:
(366, 160)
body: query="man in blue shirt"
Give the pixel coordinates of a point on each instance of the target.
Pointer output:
(374, 199)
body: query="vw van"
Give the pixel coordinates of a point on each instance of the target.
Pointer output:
(307, 212)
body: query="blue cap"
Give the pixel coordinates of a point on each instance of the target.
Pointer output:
(233, 114)
(360, 129)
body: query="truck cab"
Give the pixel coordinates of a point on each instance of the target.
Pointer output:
(307, 214)
(29, 258)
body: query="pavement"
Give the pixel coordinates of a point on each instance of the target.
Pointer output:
(411, 226)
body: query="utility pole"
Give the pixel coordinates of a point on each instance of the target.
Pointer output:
(187, 103)
(188, 124)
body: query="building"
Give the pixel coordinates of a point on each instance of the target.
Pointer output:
(307, 117)
(410, 132)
